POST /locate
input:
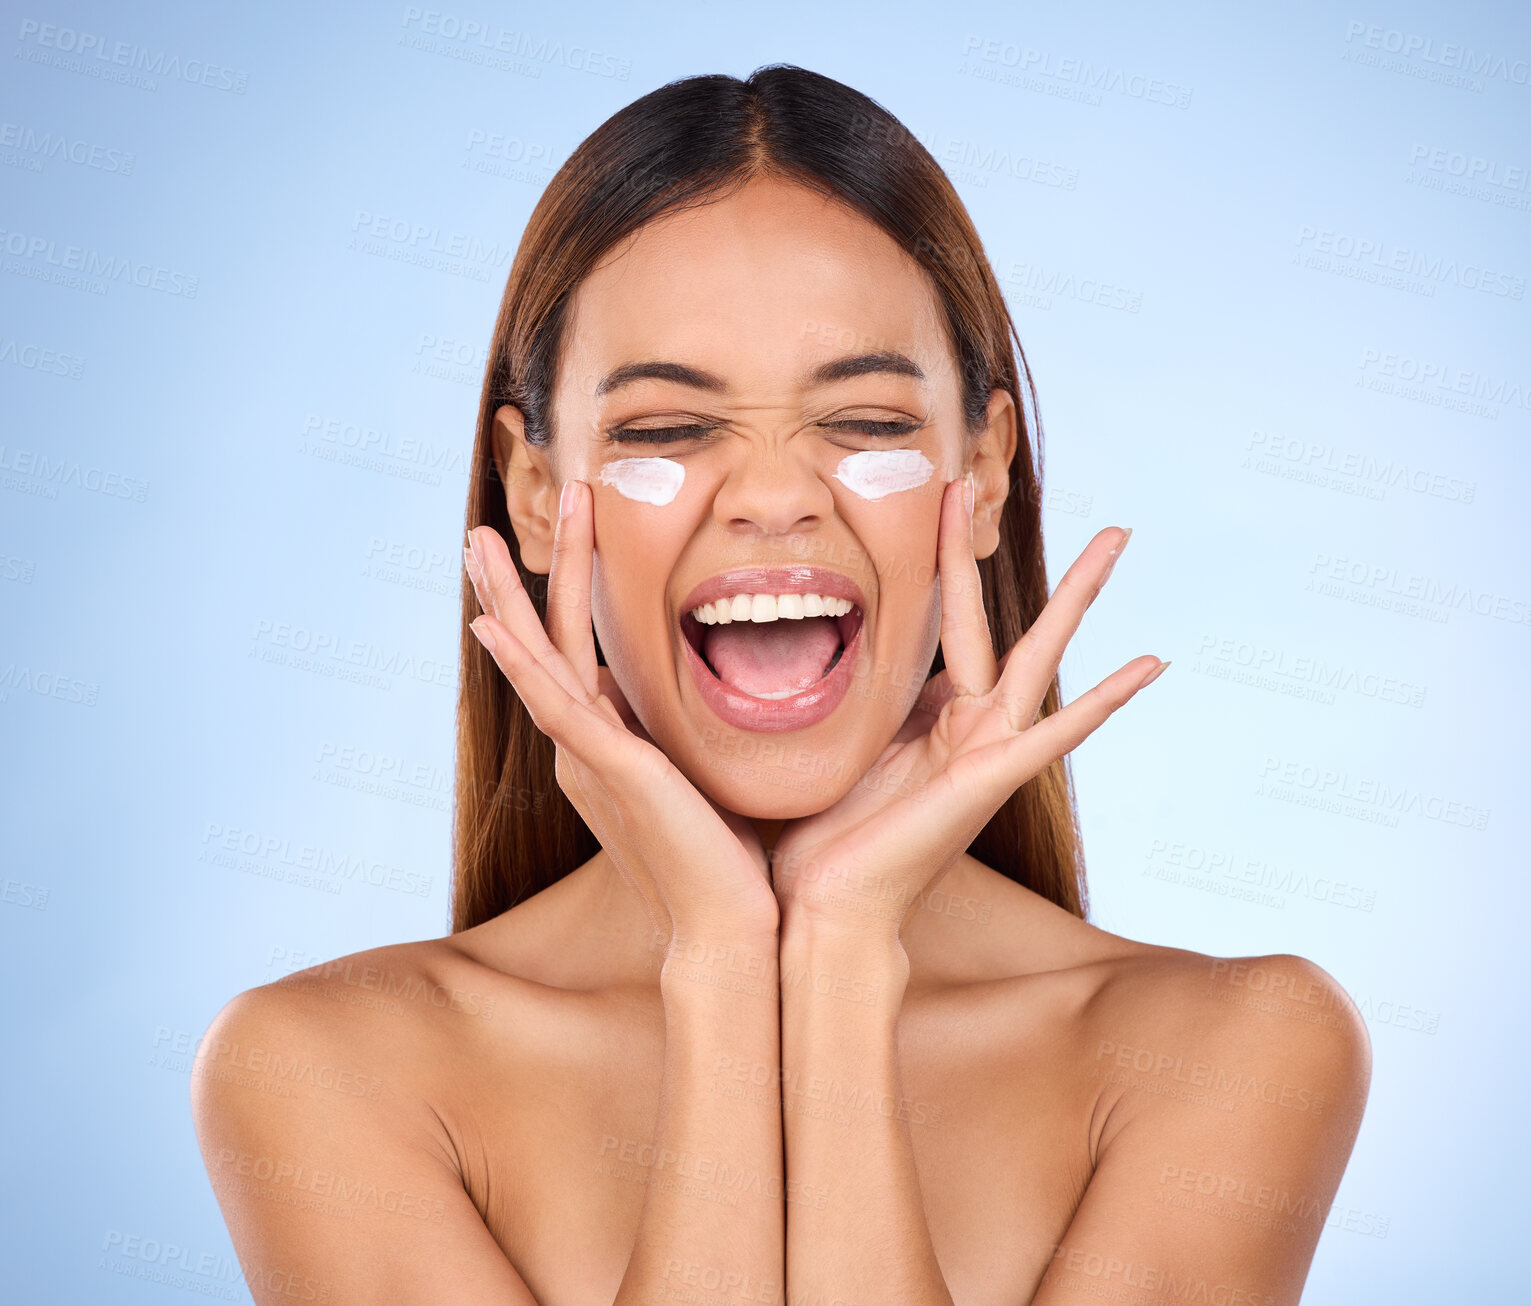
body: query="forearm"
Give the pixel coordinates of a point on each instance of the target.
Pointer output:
(856, 1228)
(713, 1205)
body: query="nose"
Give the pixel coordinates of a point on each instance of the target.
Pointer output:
(772, 490)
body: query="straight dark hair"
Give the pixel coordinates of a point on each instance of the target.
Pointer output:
(691, 141)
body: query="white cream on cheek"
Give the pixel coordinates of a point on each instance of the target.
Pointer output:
(645, 480)
(871, 473)
(875, 473)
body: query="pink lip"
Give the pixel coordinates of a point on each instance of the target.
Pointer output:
(745, 712)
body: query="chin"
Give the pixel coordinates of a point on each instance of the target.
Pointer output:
(780, 782)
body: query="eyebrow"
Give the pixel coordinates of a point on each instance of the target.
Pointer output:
(837, 369)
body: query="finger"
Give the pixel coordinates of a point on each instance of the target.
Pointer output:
(1000, 768)
(511, 606)
(476, 577)
(966, 644)
(562, 716)
(569, 583)
(1039, 651)
(938, 692)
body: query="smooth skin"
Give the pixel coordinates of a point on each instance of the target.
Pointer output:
(779, 1041)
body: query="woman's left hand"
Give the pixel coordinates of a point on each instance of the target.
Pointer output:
(971, 741)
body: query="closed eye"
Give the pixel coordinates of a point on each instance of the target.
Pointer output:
(873, 428)
(672, 434)
(657, 434)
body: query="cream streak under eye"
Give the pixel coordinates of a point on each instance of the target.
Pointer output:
(877, 473)
(645, 480)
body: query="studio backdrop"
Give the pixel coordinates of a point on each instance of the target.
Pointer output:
(1269, 269)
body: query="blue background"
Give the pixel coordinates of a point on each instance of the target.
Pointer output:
(262, 448)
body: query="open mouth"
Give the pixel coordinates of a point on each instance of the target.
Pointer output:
(772, 646)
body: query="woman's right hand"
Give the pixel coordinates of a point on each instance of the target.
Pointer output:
(701, 870)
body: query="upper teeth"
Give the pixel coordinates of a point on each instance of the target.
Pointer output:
(768, 607)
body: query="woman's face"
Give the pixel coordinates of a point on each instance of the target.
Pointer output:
(724, 473)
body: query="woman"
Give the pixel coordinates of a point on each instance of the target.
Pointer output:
(770, 979)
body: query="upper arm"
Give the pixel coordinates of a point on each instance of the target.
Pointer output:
(333, 1183)
(1230, 1126)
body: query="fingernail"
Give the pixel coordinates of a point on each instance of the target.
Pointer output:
(1115, 556)
(481, 628)
(566, 498)
(478, 556)
(967, 494)
(1152, 675)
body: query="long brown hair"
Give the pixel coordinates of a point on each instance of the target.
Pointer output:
(686, 143)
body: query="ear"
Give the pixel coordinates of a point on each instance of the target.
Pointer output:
(992, 454)
(530, 495)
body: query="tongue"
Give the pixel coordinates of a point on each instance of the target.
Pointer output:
(772, 658)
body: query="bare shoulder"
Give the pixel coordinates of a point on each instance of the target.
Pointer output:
(360, 1020)
(346, 1047)
(1227, 1095)
(315, 1104)
(1131, 998)
(1278, 1028)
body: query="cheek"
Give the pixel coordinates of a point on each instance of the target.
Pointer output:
(636, 502)
(894, 507)
(898, 541)
(641, 501)
(626, 608)
(898, 532)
